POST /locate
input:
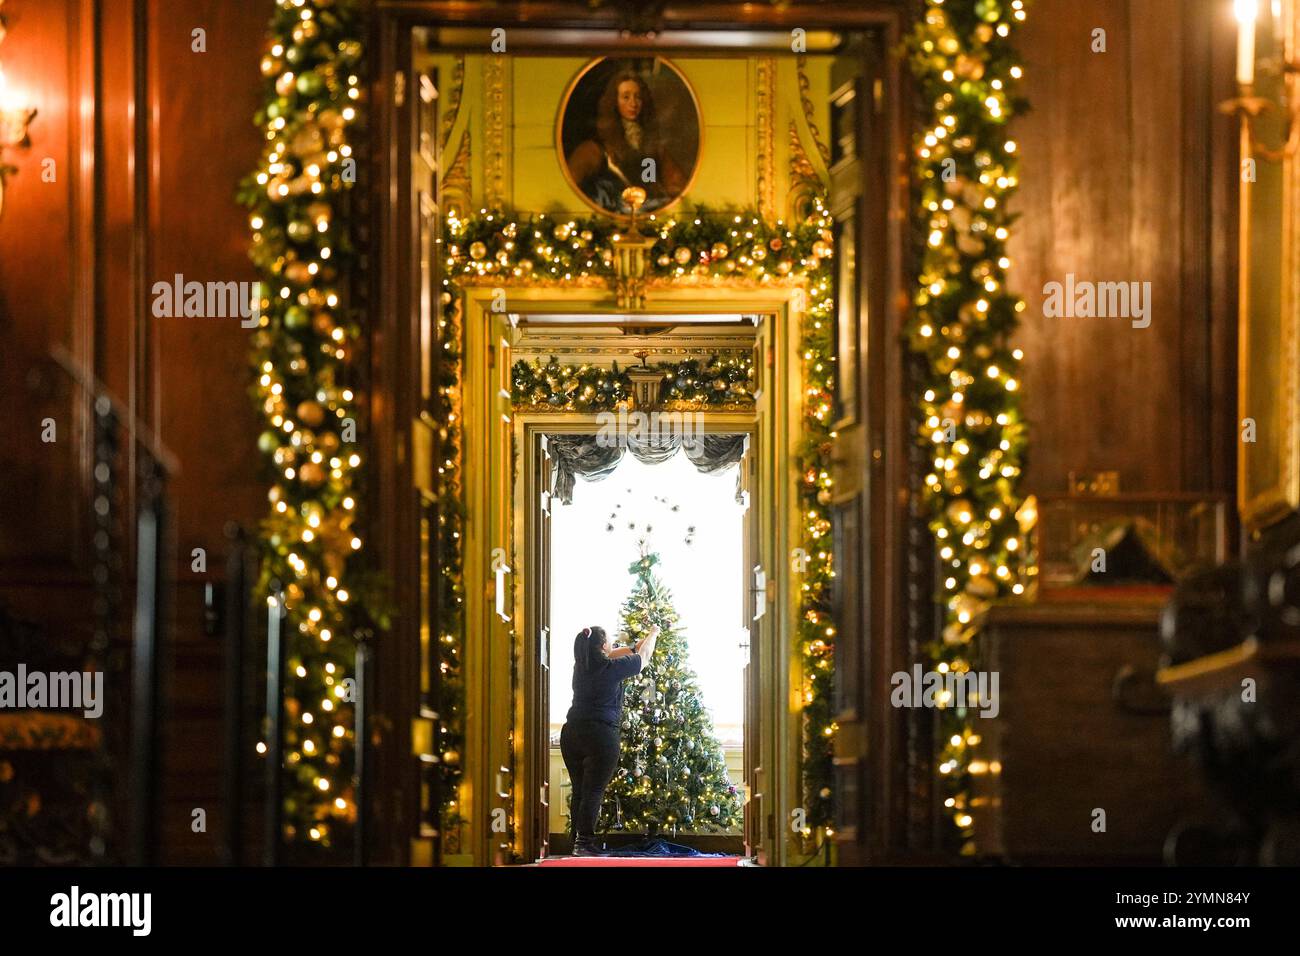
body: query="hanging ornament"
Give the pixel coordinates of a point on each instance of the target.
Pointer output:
(719, 250)
(682, 255)
(477, 251)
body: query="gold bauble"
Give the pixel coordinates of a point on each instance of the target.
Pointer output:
(719, 250)
(311, 414)
(477, 251)
(968, 67)
(822, 249)
(311, 473)
(682, 255)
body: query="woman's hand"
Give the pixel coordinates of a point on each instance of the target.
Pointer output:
(646, 648)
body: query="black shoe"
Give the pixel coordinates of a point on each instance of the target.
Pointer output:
(586, 849)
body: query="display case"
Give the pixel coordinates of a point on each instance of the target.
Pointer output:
(1126, 540)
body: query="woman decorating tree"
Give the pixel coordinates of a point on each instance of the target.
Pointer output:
(589, 739)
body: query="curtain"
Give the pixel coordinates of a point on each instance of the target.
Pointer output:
(595, 458)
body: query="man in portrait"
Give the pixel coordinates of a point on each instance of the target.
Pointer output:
(627, 135)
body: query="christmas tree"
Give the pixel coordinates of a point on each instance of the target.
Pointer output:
(671, 774)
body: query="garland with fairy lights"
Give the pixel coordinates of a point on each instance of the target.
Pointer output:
(968, 75)
(304, 349)
(550, 385)
(704, 247)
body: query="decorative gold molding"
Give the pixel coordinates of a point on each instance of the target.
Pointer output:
(809, 111)
(457, 189)
(496, 131)
(804, 182)
(765, 87)
(454, 96)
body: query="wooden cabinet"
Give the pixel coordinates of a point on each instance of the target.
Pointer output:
(1080, 728)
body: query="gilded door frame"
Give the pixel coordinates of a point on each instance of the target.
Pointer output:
(492, 509)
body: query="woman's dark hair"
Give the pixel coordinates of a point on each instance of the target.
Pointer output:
(587, 646)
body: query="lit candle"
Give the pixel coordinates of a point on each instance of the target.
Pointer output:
(1246, 11)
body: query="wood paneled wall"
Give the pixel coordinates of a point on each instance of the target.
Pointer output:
(149, 139)
(1127, 175)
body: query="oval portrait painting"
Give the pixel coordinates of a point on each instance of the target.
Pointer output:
(629, 122)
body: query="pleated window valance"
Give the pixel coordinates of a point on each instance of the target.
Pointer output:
(595, 460)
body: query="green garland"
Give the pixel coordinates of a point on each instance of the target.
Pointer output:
(966, 169)
(702, 245)
(718, 381)
(303, 352)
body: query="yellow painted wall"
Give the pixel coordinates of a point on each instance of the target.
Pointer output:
(727, 90)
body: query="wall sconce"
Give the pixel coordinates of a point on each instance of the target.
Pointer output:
(1249, 106)
(14, 120)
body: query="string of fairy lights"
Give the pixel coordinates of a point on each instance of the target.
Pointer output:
(303, 351)
(966, 169)
(705, 247)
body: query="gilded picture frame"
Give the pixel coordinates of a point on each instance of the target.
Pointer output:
(593, 146)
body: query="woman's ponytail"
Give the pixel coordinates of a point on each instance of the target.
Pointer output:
(587, 647)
